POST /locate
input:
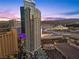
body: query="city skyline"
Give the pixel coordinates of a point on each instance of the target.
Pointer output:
(52, 8)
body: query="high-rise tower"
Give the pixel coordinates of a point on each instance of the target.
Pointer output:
(31, 23)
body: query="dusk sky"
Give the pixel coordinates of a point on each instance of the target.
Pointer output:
(48, 8)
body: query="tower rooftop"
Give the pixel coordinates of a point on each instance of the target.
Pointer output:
(33, 1)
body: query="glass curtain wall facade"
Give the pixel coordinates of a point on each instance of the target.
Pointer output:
(31, 25)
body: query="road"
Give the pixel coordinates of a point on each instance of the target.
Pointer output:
(70, 34)
(63, 51)
(54, 54)
(69, 51)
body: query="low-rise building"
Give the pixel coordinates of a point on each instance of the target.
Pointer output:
(8, 43)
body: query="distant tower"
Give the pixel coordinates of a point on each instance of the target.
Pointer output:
(31, 24)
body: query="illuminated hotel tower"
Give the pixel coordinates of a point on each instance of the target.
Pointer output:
(31, 21)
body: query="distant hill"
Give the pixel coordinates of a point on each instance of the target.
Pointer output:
(62, 21)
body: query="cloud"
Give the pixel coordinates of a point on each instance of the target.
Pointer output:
(71, 13)
(7, 14)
